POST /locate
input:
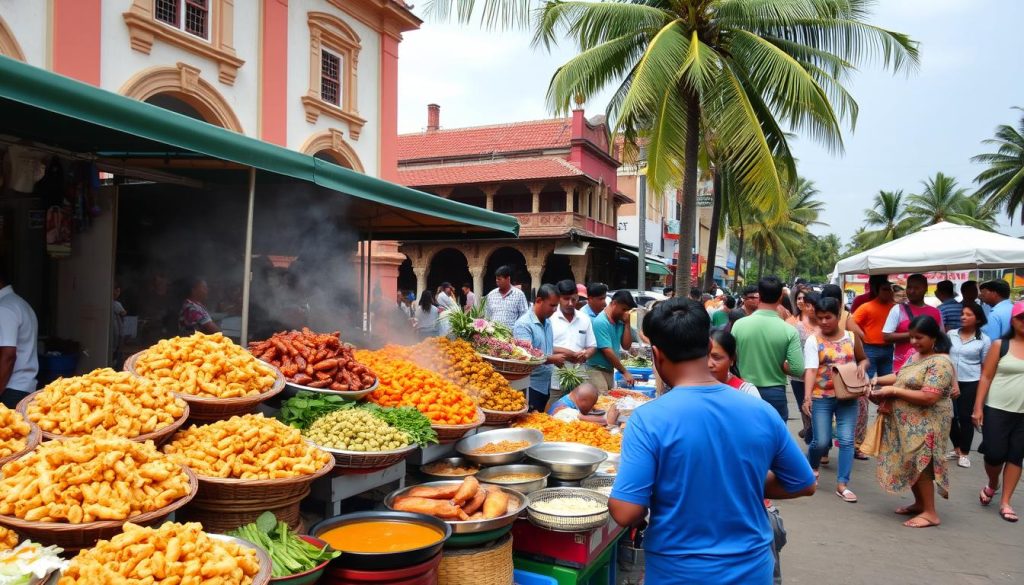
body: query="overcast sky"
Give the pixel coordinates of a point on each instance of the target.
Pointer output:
(972, 73)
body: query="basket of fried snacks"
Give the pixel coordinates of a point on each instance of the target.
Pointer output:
(171, 553)
(246, 465)
(17, 435)
(218, 378)
(74, 492)
(117, 402)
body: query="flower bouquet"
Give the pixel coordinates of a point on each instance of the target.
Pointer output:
(512, 358)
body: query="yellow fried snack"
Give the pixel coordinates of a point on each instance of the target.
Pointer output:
(8, 539)
(119, 402)
(90, 478)
(246, 447)
(205, 365)
(174, 553)
(14, 430)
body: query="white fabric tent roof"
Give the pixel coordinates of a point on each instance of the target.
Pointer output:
(943, 246)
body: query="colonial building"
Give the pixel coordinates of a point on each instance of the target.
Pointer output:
(555, 176)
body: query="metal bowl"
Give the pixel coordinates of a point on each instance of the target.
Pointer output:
(466, 446)
(522, 486)
(517, 503)
(568, 522)
(291, 389)
(454, 462)
(384, 560)
(568, 461)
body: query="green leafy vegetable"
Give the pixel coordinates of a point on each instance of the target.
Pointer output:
(407, 419)
(303, 409)
(636, 362)
(569, 377)
(288, 553)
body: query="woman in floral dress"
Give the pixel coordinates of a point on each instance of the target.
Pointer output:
(918, 413)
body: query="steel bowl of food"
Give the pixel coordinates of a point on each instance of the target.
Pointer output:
(499, 447)
(466, 506)
(566, 509)
(449, 468)
(525, 479)
(568, 461)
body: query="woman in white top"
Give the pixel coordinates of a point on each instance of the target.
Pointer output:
(969, 348)
(426, 315)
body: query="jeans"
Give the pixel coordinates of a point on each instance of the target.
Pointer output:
(879, 359)
(961, 432)
(776, 396)
(799, 391)
(845, 413)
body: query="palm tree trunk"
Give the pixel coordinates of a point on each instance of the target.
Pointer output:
(760, 265)
(739, 259)
(716, 219)
(689, 207)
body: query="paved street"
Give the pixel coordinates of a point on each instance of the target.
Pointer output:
(833, 542)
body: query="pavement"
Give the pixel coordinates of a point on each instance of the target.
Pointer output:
(832, 542)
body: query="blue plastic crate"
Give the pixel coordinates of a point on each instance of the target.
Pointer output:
(648, 391)
(645, 372)
(520, 577)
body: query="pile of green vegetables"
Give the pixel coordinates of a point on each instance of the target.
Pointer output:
(305, 408)
(570, 376)
(289, 554)
(637, 362)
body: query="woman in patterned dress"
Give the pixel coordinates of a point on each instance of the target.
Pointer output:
(918, 412)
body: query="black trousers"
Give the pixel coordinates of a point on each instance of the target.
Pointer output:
(961, 432)
(538, 401)
(10, 398)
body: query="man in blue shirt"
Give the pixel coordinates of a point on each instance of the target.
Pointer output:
(535, 327)
(996, 294)
(612, 334)
(597, 299)
(948, 305)
(701, 459)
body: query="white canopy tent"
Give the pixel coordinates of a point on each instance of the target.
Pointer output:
(943, 246)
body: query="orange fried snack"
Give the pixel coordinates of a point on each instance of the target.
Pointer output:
(458, 363)
(403, 383)
(586, 433)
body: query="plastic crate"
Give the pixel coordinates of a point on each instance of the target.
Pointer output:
(648, 391)
(520, 577)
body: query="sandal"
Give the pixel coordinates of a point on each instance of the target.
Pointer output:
(860, 456)
(986, 495)
(1007, 513)
(847, 495)
(920, 522)
(907, 511)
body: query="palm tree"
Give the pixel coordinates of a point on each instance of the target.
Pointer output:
(778, 239)
(985, 215)
(731, 72)
(888, 214)
(1002, 183)
(941, 200)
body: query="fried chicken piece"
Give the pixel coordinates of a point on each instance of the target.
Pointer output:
(496, 504)
(470, 486)
(477, 502)
(437, 508)
(435, 493)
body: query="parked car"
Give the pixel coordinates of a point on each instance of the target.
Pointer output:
(642, 298)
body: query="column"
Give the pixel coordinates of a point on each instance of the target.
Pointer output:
(490, 191)
(421, 279)
(477, 272)
(536, 271)
(535, 190)
(578, 264)
(601, 204)
(570, 190)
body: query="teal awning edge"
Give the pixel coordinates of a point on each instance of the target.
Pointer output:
(42, 89)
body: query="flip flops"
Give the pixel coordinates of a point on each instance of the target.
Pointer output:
(1007, 513)
(920, 522)
(986, 495)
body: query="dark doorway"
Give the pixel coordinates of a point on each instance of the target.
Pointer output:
(515, 260)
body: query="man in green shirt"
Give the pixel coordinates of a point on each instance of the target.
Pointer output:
(720, 318)
(611, 330)
(768, 348)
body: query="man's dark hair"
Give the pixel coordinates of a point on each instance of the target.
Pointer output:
(730, 303)
(566, 287)
(749, 290)
(668, 290)
(968, 283)
(467, 285)
(1000, 287)
(624, 297)
(446, 285)
(679, 328)
(875, 281)
(918, 278)
(770, 289)
(504, 271)
(695, 293)
(828, 305)
(545, 292)
(945, 287)
(832, 291)
(597, 289)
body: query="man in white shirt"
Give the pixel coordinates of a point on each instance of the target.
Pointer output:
(573, 333)
(505, 304)
(19, 363)
(445, 298)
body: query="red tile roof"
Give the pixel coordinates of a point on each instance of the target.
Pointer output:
(517, 169)
(485, 140)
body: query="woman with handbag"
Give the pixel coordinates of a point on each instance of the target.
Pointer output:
(918, 411)
(832, 357)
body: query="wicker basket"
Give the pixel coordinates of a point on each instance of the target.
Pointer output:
(34, 437)
(74, 537)
(159, 436)
(224, 516)
(511, 369)
(228, 490)
(209, 409)
(489, 565)
(501, 417)
(565, 523)
(451, 433)
(367, 460)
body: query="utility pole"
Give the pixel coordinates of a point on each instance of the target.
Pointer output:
(641, 265)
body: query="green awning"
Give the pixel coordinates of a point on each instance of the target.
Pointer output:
(654, 265)
(69, 115)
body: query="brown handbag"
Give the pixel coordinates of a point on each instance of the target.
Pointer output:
(848, 383)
